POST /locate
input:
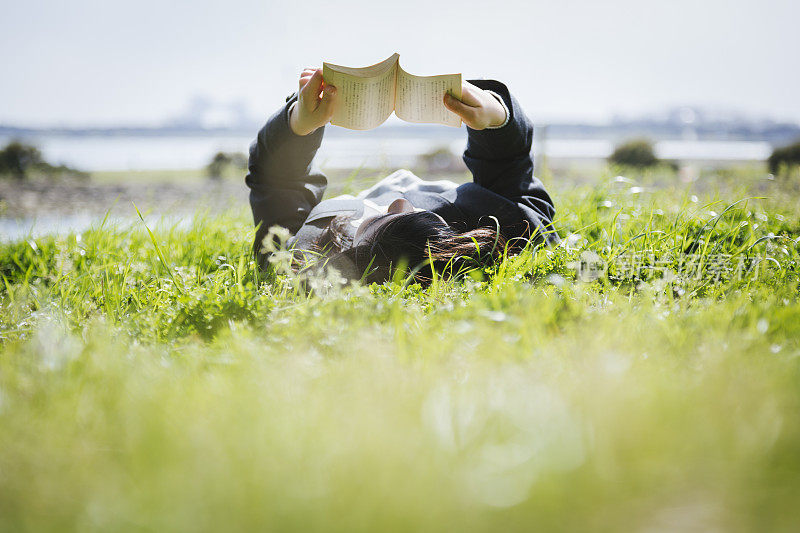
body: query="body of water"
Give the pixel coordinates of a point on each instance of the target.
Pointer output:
(343, 150)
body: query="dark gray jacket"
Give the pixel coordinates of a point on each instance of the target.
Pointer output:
(285, 185)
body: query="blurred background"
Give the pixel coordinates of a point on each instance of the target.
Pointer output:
(106, 99)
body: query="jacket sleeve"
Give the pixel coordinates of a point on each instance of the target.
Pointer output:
(500, 160)
(284, 183)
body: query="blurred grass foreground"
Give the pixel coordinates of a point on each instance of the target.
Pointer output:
(642, 376)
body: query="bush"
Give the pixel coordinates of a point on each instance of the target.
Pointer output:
(18, 159)
(440, 159)
(786, 156)
(223, 161)
(637, 153)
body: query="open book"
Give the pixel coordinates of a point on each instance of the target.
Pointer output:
(368, 95)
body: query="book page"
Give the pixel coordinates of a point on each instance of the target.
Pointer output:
(419, 98)
(366, 95)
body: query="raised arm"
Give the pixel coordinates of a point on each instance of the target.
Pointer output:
(500, 157)
(284, 184)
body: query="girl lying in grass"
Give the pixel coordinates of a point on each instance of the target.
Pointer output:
(402, 220)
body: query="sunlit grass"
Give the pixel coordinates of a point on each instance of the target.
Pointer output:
(642, 376)
(149, 176)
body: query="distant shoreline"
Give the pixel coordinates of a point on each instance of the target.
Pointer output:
(657, 129)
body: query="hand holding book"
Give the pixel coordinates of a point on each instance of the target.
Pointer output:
(315, 105)
(477, 108)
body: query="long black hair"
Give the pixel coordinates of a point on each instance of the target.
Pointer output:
(420, 243)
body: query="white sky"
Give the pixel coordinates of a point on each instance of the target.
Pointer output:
(105, 62)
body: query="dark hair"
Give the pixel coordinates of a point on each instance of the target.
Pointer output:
(420, 243)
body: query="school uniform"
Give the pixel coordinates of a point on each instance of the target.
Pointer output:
(286, 187)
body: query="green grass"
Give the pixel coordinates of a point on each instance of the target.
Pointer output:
(149, 176)
(349, 179)
(155, 383)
